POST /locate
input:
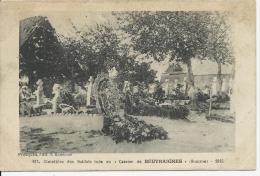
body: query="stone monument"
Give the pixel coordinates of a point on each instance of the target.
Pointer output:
(39, 93)
(57, 97)
(89, 90)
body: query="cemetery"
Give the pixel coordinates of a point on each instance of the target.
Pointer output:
(73, 98)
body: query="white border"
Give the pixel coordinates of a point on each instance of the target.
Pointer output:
(177, 173)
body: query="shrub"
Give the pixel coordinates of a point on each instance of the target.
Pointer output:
(204, 106)
(135, 105)
(48, 84)
(176, 112)
(221, 97)
(202, 97)
(172, 112)
(80, 100)
(67, 96)
(178, 94)
(159, 94)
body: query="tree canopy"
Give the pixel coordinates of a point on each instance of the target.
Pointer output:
(40, 51)
(219, 46)
(181, 35)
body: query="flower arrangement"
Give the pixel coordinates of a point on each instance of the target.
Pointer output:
(133, 130)
(136, 105)
(172, 112)
(122, 127)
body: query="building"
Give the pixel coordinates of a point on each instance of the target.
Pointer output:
(204, 73)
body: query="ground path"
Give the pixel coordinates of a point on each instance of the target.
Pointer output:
(74, 135)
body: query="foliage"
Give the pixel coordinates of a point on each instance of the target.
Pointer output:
(97, 50)
(221, 97)
(202, 97)
(74, 51)
(159, 94)
(202, 107)
(115, 124)
(48, 83)
(218, 43)
(133, 130)
(41, 53)
(172, 112)
(140, 107)
(25, 108)
(180, 35)
(219, 101)
(66, 94)
(80, 100)
(226, 118)
(174, 67)
(178, 94)
(129, 69)
(108, 96)
(219, 47)
(47, 55)
(76, 58)
(143, 73)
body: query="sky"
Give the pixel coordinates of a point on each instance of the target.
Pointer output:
(63, 24)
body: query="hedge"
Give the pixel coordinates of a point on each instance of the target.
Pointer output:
(172, 112)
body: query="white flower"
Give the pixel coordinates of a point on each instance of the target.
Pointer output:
(116, 119)
(120, 124)
(36, 45)
(146, 130)
(144, 133)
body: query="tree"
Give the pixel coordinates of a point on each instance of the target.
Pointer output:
(90, 53)
(180, 35)
(73, 52)
(40, 53)
(136, 72)
(219, 45)
(133, 70)
(101, 47)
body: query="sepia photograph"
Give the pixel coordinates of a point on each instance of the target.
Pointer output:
(127, 82)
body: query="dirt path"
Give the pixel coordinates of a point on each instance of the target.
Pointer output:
(81, 134)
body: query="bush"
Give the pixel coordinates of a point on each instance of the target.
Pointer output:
(132, 130)
(135, 105)
(67, 96)
(48, 85)
(176, 112)
(202, 97)
(172, 112)
(204, 106)
(80, 100)
(221, 97)
(159, 94)
(178, 94)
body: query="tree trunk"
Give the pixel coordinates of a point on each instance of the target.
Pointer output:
(190, 77)
(219, 76)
